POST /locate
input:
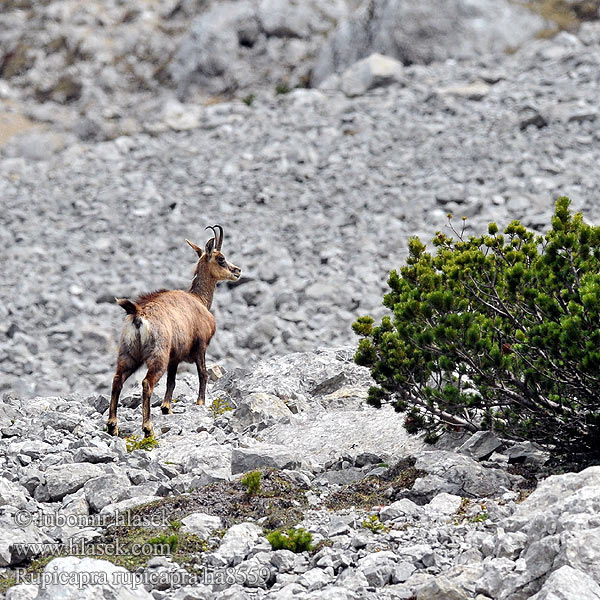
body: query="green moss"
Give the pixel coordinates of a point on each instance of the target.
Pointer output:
(282, 88)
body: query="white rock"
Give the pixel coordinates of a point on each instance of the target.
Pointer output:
(74, 578)
(200, 524)
(371, 72)
(567, 583)
(238, 541)
(401, 508)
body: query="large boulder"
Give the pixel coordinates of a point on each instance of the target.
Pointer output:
(68, 478)
(261, 456)
(298, 378)
(460, 475)
(558, 527)
(20, 543)
(238, 542)
(261, 409)
(422, 32)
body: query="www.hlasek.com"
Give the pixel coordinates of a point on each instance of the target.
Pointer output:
(252, 577)
(85, 548)
(126, 518)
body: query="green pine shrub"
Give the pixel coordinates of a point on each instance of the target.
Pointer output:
(500, 332)
(296, 540)
(251, 481)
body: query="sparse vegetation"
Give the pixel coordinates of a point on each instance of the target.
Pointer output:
(220, 406)
(165, 540)
(252, 482)
(564, 14)
(372, 523)
(376, 489)
(6, 581)
(497, 331)
(249, 99)
(282, 88)
(296, 540)
(134, 442)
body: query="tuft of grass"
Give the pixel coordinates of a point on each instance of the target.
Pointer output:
(6, 582)
(480, 517)
(372, 523)
(134, 442)
(251, 481)
(164, 540)
(249, 99)
(296, 540)
(282, 88)
(175, 525)
(219, 406)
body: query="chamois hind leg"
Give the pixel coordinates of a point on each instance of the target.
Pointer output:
(155, 372)
(166, 403)
(124, 370)
(202, 374)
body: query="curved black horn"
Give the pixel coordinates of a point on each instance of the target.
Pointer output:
(219, 240)
(214, 232)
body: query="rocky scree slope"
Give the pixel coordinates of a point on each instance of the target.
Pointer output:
(446, 521)
(318, 193)
(97, 70)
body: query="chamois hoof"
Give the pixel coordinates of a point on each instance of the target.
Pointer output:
(112, 429)
(148, 431)
(200, 402)
(166, 410)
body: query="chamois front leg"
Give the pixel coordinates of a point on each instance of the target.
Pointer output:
(166, 403)
(202, 374)
(122, 374)
(152, 376)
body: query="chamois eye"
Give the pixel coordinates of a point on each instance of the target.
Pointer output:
(221, 260)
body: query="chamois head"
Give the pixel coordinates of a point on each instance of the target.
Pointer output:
(212, 262)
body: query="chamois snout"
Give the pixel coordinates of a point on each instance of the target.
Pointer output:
(234, 272)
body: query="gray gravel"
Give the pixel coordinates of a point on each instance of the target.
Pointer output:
(318, 194)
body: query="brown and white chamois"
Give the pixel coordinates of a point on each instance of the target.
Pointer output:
(167, 327)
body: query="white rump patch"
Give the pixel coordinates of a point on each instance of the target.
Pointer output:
(131, 334)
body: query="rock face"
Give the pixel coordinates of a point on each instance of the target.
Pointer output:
(418, 32)
(233, 44)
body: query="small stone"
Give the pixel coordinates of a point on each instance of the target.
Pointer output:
(371, 72)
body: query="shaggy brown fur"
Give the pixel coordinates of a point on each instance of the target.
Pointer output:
(166, 327)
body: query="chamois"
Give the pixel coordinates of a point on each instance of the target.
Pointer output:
(167, 327)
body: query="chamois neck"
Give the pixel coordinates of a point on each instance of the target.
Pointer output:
(203, 285)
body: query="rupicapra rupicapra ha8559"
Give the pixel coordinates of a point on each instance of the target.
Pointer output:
(167, 327)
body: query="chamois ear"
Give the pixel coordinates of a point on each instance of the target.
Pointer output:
(197, 249)
(209, 247)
